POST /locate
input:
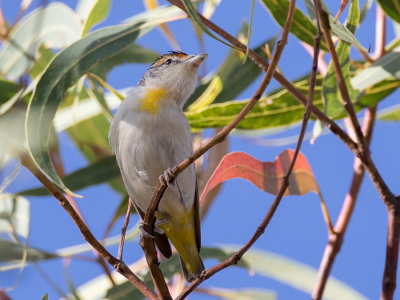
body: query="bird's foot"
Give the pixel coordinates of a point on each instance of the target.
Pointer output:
(143, 231)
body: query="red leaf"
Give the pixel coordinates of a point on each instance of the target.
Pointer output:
(267, 176)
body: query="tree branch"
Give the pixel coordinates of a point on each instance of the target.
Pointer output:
(335, 240)
(119, 266)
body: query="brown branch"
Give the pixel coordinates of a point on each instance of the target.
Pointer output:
(119, 266)
(341, 9)
(335, 240)
(233, 260)
(3, 295)
(392, 252)
(263, 64)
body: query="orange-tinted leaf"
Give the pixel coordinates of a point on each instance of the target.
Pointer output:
(267, 176)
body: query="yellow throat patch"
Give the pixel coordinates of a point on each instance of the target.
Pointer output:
(150, 101)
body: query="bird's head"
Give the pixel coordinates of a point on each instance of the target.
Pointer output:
(176, 72)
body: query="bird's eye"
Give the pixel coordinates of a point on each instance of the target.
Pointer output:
(168, 61)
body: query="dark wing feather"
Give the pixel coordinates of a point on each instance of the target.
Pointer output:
(161, 240)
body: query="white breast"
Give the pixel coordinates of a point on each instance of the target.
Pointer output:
(146, 145)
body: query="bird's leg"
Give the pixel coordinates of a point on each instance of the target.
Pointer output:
(123, 230)
(144, 232)
(174, 184)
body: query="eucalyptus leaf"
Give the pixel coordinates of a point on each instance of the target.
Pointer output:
(192, 11)
(384, 68)
(336, 27)
(57, 25)
(11, 252)
(96, 173)
(390, 114)
(331, 95)
(279, 109)
(302, 27)
(391, 8)
(67, 67)
(241, 294)
(14, 215)
(92, 12)
(45, 55)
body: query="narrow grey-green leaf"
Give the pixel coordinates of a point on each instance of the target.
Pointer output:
(192, 11)
(92, 12)
(337, 28)
(65, 70)
(302, 27)
(296, 274)
(364, 10)
(133, 53)
(96, 173)
(385, 67)
(10, 251)
(253, 2)
(7, 90)
(240, 294)
(45, 297)
(391, 8)
(45, 55)
(390, 114)
(58, 24)
(333, 103)
(14, 215)
(279, 108)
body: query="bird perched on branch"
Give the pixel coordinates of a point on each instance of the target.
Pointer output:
(150, 134)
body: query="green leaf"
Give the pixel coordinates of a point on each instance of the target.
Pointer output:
(279, 109)
(92, 12)
(364, 10)
(44, 58)
(14, 215)
(67, 67)
(253, 2)
(99, 98)
(240, 294)
(10, 251)
(337, 28)
(192, 11)
(302, 27)
(234, 75)
(296, 274)
(96, 173)
(275, 110)
(391, 8)
(7, 90)
(390, 114)
(45, 297)
(133, 53)
(333, 102)
(59, 26)
(384, 68)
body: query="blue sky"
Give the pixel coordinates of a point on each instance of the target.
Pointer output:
(297, 230)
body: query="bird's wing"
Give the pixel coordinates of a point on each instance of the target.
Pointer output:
(161, 240)
(197, 216)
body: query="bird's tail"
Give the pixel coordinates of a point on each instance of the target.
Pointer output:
(183, 236)
(190, 276)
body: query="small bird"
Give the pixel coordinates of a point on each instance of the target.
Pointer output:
(150, 134)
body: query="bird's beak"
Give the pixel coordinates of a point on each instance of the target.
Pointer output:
(197, 60)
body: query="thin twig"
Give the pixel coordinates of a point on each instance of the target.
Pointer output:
(50, 281)
(233, 260)
(335, 240)
(147, 244)
(3, 295)
(119, 266)
(123, 230)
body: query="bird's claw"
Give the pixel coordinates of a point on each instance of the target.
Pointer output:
(165, 177)
(144, 232)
